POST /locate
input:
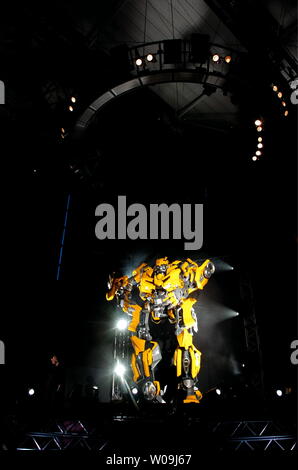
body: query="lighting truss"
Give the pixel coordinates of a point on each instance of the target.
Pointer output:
(255, 435)
(67, 436)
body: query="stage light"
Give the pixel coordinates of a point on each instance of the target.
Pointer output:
(73, 99)
(259, 129)
(95, 387)
(31, 392)
(150, 57)
(258, 122)
(258, 153)
(243, 365)
(121, 324)
(286, 112)
(279, 393)
(139, 62)
(254, 158)
(62, 130)
(70, 108)
(218, 391)
(279, 94)
(275, 88)
(120, 369)
(228, 59)
(215, 58)
(134, 391)
(260, 146)
(284, 104)
(260, 139)
(236, 314)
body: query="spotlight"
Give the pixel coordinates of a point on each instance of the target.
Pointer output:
(228, 59)
(62, 130)
(259, 129)
(139, 62)
(279, 393)
(279, 94)
(258, 122)
(284, 104)
(31, 392)
(73, 99)
(121, 324)
(120, 369)
(258, 153)
(275, 88)
(286, 112)
(260, 139)
(260, 146)
(254, 158)
(95, 387)
(243, 365)
(236, 314)
(70, 108)
(215, 58)
(150, 57)
(218, 391)
(134, 391)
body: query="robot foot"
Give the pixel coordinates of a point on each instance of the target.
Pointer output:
(152, 392)
(193, 397)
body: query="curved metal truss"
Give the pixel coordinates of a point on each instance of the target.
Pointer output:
(182, 68)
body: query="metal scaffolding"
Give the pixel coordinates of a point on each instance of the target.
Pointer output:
(255, 365)
(122, 354)
(61, 436)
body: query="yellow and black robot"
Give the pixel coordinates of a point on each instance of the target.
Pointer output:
(165, 291)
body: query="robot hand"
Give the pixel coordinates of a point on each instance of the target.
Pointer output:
(209, 270)
(116, 288)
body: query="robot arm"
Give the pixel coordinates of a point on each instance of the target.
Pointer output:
(203, 273)
(196, 276)
(187, 358)
(121, 288)
(146, 353)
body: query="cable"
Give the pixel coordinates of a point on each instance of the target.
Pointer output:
(172, 17)
(145, 25)
(63, 238)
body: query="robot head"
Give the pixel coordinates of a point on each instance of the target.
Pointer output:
(161, 266)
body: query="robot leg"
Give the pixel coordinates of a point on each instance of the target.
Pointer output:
(144, 360)
(145, 357)
(187, 359)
